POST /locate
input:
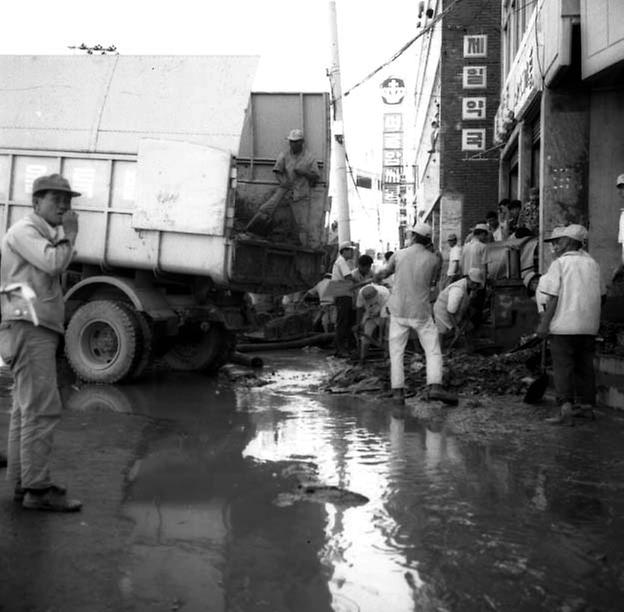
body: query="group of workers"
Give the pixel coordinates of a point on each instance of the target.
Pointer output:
(569, 298)
(368, 308)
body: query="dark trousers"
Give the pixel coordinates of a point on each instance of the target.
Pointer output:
(344, 322)
(573, 368)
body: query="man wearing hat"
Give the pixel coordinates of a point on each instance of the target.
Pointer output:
(571, 320)
(475, 251)
(35, 251)
(415, 269)
(343, 296)
(297, 173)
(452, 303)
(372, 314)
(453, 272)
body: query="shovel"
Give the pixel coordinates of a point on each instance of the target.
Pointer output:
(538, 385)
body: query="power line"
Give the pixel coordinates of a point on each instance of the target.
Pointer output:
(404, 48)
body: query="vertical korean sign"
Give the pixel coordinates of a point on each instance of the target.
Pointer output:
(474, 82)
(392, 94)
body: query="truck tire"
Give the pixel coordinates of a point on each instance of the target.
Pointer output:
(205, 352)
(101, 342)
(145, 337)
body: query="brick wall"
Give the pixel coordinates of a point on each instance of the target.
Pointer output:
(475, 180)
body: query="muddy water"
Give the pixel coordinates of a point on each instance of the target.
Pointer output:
(277, 498)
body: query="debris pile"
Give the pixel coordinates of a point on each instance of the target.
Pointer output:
(468, 374)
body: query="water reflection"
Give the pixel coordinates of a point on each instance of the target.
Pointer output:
(206, 535)
(450, 525)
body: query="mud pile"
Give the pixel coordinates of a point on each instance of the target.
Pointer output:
(467, 374)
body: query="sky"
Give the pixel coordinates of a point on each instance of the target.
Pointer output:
(290, 36)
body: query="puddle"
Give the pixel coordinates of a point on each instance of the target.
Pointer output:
(406, 516)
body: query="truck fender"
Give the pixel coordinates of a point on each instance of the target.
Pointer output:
(145, 299)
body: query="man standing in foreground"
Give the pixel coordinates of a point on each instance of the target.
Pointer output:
(35, 251)
(415, 269)
(571, 321)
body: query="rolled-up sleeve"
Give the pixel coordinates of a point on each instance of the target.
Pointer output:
(550, 283)
(38, 250)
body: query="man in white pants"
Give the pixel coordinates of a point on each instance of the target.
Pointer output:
(415, 269)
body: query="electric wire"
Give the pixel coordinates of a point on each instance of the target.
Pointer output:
(402, 50)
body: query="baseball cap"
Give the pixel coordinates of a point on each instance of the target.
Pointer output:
(295, 135)
(55, 182)
(422, 229)
(619, 180)
(476, 276)
(452, 237)
(481, 227)
(368, 292)
(556, 233)
(346, 245)
(575, 231)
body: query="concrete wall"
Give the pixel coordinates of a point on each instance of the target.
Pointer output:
(606, 161)
(565, 136)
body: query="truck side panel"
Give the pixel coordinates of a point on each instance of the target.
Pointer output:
(107, 237)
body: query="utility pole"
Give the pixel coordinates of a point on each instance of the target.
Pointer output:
(340, 166)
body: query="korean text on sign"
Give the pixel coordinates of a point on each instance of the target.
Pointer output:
(473, 140)
(475, 45)
(475, 77)
(473, 108)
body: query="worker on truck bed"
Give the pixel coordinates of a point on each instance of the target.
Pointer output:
(35, 251)
(297, 173)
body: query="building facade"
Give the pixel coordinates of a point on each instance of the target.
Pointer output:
(560, 122)
(457, 92)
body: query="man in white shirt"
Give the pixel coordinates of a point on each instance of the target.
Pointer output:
(571, 321)
(415, 269)
(454, 266)
(343, 297)
(371, 314)
(452, 303)
(475, 251)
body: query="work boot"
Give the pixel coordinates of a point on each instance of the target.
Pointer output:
(564, 417)
(52, 499)
(3, 461)
(19, 492)
(584, 411)
(438, 392)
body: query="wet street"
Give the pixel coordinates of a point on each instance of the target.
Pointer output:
(207, 494)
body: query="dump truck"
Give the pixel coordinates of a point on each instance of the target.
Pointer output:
(172, 155)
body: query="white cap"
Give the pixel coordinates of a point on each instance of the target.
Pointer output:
(619, 180)
(476, 276)
(556, 233)
(346, 245)
(575, 231)
(422, 229)
(481, 226)
(295, 135)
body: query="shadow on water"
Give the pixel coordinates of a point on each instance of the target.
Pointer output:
(448, 525)
(207, 535)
